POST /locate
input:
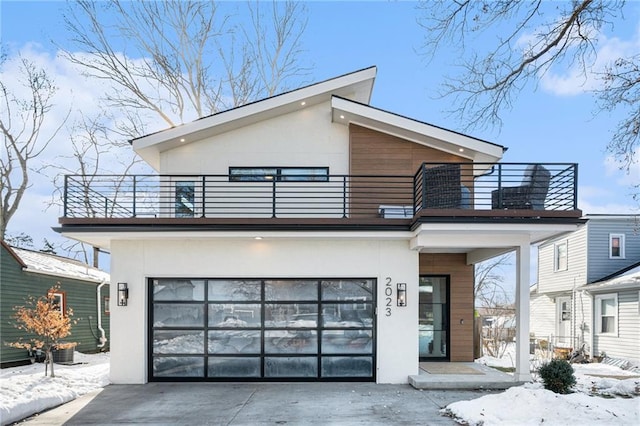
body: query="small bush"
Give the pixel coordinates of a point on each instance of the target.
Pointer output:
(557, 376)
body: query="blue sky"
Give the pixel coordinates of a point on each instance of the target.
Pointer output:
(547, 124)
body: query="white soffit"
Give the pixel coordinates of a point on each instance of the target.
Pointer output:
(357, 86)
(345, 111)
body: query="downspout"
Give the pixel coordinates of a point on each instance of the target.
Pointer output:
(103, 338)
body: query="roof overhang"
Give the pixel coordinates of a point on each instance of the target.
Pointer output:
(345, 111)
(357, 86)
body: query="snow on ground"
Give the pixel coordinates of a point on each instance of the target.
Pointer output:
(25, 390)
(602, 396)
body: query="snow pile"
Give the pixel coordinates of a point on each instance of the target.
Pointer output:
(533, 405)
(26, 391)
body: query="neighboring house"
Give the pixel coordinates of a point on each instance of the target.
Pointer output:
(310, 236)
(85, 289)
(588, 288)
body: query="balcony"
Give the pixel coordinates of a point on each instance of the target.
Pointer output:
(437, 191)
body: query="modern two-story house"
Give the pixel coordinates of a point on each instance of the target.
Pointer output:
(587, 291)
(310, 236)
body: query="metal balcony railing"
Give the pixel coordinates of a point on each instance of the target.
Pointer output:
(434, 186)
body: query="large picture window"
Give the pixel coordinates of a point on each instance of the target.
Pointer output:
(279, 174)
(606, 313)
(270, 329)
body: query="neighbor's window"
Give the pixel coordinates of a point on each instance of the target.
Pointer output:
(107, 305)
(616, 246)
(59, 299)
(606, 313)
(280, 174)
(185, 199)
(560, 256)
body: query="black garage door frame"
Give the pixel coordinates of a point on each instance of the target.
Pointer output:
(323, 316)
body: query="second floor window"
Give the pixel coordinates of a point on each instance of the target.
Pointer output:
(616, 246)
(280, 174)
(560, 256)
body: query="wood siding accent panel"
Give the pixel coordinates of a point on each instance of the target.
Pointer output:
(376, 153)
(17, 285)
(461, 299)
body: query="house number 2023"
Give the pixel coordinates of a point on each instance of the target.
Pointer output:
(388, 299)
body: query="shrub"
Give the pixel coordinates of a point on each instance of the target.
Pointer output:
(557, 376)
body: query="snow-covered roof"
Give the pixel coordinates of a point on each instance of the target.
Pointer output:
(627, 279)
(51, 264)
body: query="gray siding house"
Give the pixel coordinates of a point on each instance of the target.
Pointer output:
(579, 299)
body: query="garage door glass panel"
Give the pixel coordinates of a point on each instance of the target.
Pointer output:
(178, 290)
(344, 366)
(291, 315)
(356, 315)
(291, 367)
(174, 314)
(290, 342)
(341, 290)
(234, 367)
(347, 342)
(178, 367)
(290, 290)
(234, 342)
(234, 315)
(234, 290)
(178, 342)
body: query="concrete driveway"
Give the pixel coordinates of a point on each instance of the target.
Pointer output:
(256, 404)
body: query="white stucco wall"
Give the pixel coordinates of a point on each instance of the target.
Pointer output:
(136, 261)
(302, 138)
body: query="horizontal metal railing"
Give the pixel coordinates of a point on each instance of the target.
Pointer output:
(434, 186)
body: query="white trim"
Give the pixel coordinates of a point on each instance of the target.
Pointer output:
(622, 246)
(598, 314)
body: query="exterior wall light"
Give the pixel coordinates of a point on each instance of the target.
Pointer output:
(402, 294)
(123, 294)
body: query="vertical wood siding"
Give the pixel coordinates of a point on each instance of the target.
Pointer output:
(375, 153)
(16, 285)
(461, 299)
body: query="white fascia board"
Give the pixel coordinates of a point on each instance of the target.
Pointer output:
(103, 239)
(357, 86)
(345, 112)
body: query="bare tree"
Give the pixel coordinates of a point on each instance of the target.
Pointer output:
(495, 304)
(22, 120)
(180, 60)
(526, 39)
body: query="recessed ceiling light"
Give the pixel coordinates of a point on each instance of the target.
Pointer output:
(257, 238)
(303, 103)
(341, 117)
(183, 140)
(461, 150)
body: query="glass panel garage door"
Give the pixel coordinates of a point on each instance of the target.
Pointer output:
(286, 329)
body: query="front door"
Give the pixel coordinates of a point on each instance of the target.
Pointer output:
(433, 318)
(563, 316)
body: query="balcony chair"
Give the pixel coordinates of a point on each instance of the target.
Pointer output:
(443, 189)
(530, 195)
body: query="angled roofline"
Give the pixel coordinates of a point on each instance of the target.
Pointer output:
(13, 254)
(617, 273)
(347, 111)
(357, 85)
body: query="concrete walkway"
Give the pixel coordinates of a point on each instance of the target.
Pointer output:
(256, 404)
(460, 375)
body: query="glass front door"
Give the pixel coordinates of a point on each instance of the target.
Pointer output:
(433, 318)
